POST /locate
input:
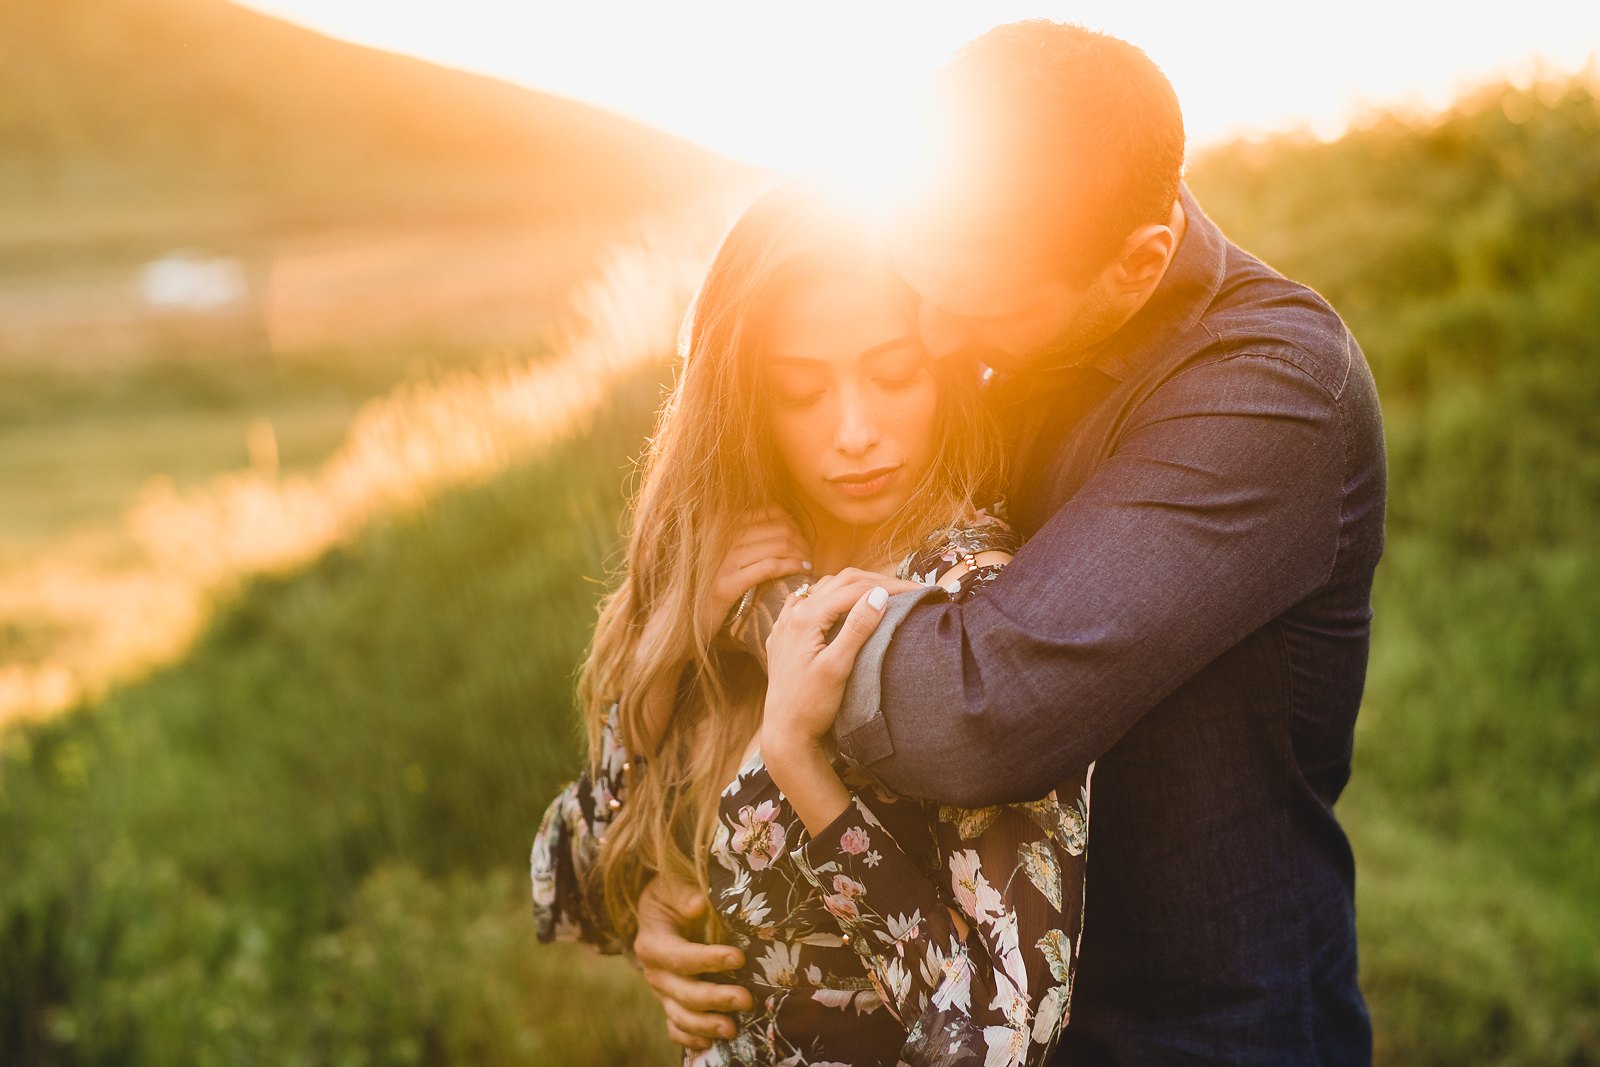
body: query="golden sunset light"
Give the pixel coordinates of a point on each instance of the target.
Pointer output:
(494, 570)
(822, 87)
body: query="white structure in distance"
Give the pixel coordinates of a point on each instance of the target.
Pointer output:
(193, 281)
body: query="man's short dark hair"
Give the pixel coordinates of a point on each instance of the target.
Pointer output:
(1090, 121)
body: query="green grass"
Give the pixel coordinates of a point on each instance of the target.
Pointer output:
(301, 844)
(77, 447)
(304, 842)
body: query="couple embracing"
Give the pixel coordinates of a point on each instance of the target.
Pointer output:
(1048, 491)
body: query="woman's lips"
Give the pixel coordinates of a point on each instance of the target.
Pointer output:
(865, 483)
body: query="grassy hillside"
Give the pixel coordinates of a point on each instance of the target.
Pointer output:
(391, 220)
(304, 842)
(125, 117)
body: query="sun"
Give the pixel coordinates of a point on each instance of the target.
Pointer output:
(870, 137)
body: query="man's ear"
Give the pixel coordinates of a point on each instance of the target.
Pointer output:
(1144, 258)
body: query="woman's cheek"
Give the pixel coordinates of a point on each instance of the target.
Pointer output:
(801, 440)
(915, 411)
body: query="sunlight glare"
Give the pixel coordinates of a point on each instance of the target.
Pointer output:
(878, 146)
(818, 89)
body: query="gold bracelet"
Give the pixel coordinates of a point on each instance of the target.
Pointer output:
(739, 610)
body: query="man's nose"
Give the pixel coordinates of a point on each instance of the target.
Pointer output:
(942, 334)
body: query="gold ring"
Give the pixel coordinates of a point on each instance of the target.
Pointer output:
(804, 590)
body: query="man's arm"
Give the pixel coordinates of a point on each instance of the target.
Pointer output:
(1219, 509)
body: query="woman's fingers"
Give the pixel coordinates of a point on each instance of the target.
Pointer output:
(782, 543)
(888, 581)
(835, 594)
(777, 527)
(830, 597)
(776, 545)
(858, 625)
(768, 568)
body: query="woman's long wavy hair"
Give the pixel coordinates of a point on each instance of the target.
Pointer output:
(709, 463)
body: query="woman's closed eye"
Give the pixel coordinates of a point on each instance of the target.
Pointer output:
(799, 385)
(901, 374)
(799, 398)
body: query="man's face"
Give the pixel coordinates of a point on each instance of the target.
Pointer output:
(987, 287)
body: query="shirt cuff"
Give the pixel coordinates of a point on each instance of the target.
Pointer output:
(860, 730)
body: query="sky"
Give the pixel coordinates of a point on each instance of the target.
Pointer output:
(818, 86)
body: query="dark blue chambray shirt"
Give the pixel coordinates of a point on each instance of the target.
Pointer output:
(1203, 500)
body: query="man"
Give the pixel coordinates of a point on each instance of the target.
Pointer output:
(1196, 459)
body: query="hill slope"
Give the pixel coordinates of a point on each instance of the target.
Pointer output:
(162, 112)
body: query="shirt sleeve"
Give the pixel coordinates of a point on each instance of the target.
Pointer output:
(994, 987)
(1218, 508)
(859, 729)
(567, 899)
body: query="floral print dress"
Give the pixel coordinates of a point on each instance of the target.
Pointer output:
(905, 932)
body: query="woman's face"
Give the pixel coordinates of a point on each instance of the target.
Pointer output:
(851, 396)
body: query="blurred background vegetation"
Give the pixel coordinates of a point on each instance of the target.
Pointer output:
(294, 577)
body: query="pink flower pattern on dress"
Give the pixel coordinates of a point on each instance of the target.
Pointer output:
(854, 841)
(903, 933)
(759, 836)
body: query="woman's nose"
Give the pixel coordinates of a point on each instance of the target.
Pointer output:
(857, 431)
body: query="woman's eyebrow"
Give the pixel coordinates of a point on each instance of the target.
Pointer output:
(885, 347)
(879, 349)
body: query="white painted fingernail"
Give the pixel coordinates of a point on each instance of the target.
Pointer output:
(806, 563)
(878, 598)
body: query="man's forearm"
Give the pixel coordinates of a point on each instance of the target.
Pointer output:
(1204, 525)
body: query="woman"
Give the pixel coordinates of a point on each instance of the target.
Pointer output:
(807, 432)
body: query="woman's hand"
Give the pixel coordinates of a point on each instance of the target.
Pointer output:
(806, 673)
(768, 545)
(806, 676)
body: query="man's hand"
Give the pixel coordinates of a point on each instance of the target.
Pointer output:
(697, 1010)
